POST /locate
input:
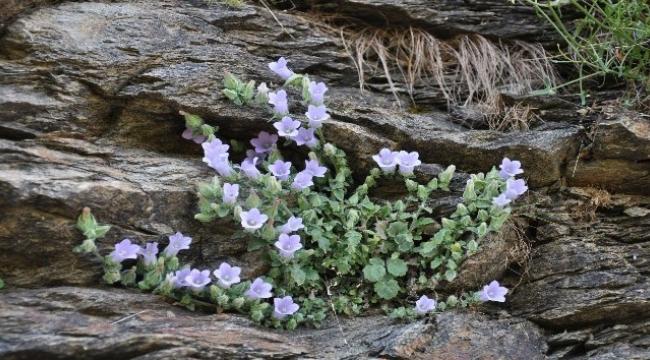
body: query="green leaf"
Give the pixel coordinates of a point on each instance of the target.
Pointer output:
(482, 230)
(433, 184)
(2, 284)
(423, 192)
(397, 228)
(396, 267)
(252, 201)
(230, 94)
(387, 288)
(230, 81)
(435, 263)
(375, 270)
(450, 275)
(298, 275)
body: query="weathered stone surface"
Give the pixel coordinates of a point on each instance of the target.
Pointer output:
(89, 101)
(449, 17)
(83, 323)
(46, 182)
(588, 266)
(618, 157)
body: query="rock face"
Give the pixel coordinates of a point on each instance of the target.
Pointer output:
(82, 323)
(89, 100)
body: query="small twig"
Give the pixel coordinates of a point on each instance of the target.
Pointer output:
(263, 2)
(336, 317)
(128, 317)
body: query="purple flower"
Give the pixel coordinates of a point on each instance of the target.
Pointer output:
(279, 101)
(189, 135)
(501, 200)
(407, 162)
(230, 193)
(280, 169)
(425, 305)
(302, 181)
(510, 168)
(284, 307)
(149, 253)
(125, 250)
(313, 167)
(264, 142)
(259, 289)
(317, 92)
(280, 68)
(306, 137)
(179, 277)
(227, 275)
(252, 219)
(386, 159)
(288, 244)
(292, 225)
(177, 242)
(249, 168)
(287, 127)
(515, 188)
(197, 280)
(316, 115)
(216, 156)
(494, 292)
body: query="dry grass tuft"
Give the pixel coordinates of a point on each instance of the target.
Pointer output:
(467, 70)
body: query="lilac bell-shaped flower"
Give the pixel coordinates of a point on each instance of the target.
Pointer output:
(292, 225)
(316, 115)
(227, 275)
(280, 169)
(306, 137)
(407, 162)
(279, 101)
(386, 159)
(287, 127)
(288, 245)
(510, 168)
(125, 250)
(280, 68)
(180, 277)
(197, 280)
(188, 134)
(216, 156)
(284, 307)
(425, 305)
(252, 219)
(259, 289)
(494, 292)
(249, 168)
(515, 188)
(149, 253)
(230, 193)
(501, 200)
(317, 92)
(264, 142)
(314, 168)
(177, 242)
(302, 181)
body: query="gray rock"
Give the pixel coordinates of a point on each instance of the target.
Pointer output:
(618, 156)
(446, 18)
(84, 323)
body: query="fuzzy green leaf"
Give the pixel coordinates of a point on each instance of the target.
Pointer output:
(387, 288)
(396, 267)
(375, 270)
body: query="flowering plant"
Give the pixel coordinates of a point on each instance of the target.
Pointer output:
(328, 243)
